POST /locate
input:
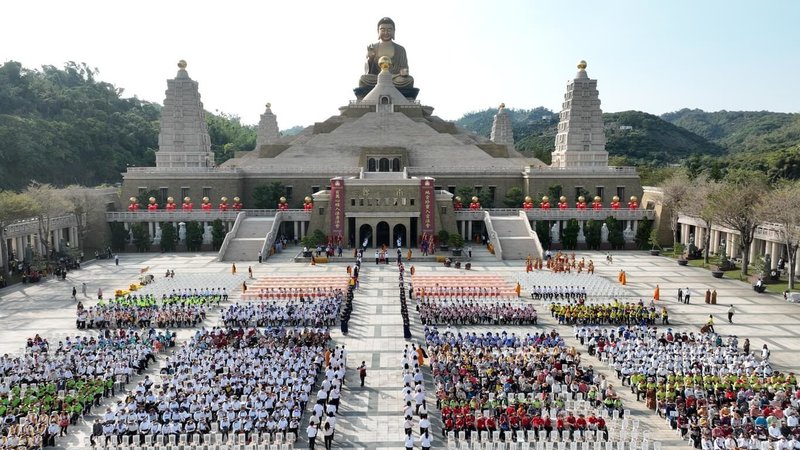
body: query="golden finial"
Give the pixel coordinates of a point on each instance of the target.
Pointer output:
(269, 105)
(385, 63)
(545, 198)
(132, 199)
(581, 199)
(236, 199)
(474, 199)
(307, 199)
(597, 198)
(187, 199)
(182, 64)
(615, 198)
(528, 199)
(582, 65)
(502, 105)
(170, 199)
(224, 199)
(283, 199)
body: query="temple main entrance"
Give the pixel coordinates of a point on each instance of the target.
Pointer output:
(400, 235)
(365, 236)
(382, 236)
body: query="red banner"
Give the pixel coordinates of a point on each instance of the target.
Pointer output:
(337, 208)
(427, 212)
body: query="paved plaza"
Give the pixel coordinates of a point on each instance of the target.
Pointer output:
(370, 417)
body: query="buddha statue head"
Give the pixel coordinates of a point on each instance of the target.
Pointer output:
(386, 29)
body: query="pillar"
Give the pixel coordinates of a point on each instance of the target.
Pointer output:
(753, 250)
(296, 226)
(776, 253)
(732, 243)
(469, 231)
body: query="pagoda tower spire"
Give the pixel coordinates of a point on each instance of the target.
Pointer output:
(183, 140)
(581, 141)
(502, 133)
(268, 132)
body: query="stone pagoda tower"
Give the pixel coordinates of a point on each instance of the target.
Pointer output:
(502, 134)
(268, 132)
(580, 142)
(183, 140)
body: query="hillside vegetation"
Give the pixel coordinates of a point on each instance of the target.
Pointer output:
(62, 126)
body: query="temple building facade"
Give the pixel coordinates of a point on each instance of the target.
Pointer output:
(384, 167)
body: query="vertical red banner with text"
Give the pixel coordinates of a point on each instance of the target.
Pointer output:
(337, 209)
(427, 210)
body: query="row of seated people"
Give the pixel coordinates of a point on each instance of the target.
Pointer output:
(185, 296)
(316, 312)
(543, 292)
(462, 292)
(706, 386)
(42, 394)
(471, 312)
(135, 316)
(236, 380)
(293, 292)
(485, 374)
(614, 313)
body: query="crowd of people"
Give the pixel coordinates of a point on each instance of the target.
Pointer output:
(179, 309)
(234, 380)
(314, 312)
(414, 394)
(323, 416)
(614, 313)
(286, 293)
(720, 395)
(479, 379)
(46, 390)
(457, 292)
(433, 311)
(553, 293)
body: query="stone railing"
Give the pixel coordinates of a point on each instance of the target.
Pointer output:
(493, 237)
(767, 231)
(190, 170)
(458, 170)
(560, 214)
(31, 226)
(532, 234)
(240, 216)
(202, 216)
(602, 170)
(272, 234)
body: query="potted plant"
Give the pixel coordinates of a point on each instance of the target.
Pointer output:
(444, 238)
(682, 261)
(655, 248)
(456, 244)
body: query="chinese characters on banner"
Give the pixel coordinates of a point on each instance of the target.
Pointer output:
(337, 208)
(427, 211)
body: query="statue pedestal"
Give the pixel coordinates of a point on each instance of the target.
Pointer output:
(409, 93)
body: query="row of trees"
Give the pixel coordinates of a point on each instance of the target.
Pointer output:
(741, 201)
(141, 239)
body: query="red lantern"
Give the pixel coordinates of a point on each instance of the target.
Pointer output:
(545, 202)
(581, 203)
(527, 204)
(223, 206)
(206, 205)
(308, 204)
(475, 205)
(634, 203)
(170, 204)
(597, 204)
(615, 203)
(562, 203)
(282, 205)
(457, 204)
(133, 206)
(153, 206)
(187, 204)
(237, 204)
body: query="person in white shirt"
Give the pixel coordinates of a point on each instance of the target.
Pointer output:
(425, 441)
(311, 431)
(424, 424)
(409, 442)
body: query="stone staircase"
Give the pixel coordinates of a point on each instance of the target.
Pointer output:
(249, 239)
(514, 236)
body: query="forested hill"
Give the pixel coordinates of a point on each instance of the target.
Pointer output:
(649, 140)
(62, 126)
(741, 131)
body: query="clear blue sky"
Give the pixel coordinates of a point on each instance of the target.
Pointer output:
(306, 56)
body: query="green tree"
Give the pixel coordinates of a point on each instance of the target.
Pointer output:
(782, 207)
(615, 236)
(593, 233)
(217, 234)
(50, 204)
(569, 235)
(194, 236)
(543, 232)
(119, 236)
(642, 237)
(141, 237)
(169, 237)
(144, 198)
(513, 198)
(266, 196)
(554, 191)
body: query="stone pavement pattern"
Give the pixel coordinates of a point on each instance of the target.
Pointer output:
(371, 416)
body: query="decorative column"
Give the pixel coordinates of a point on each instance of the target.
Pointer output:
(776, 253)
(296, 229)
